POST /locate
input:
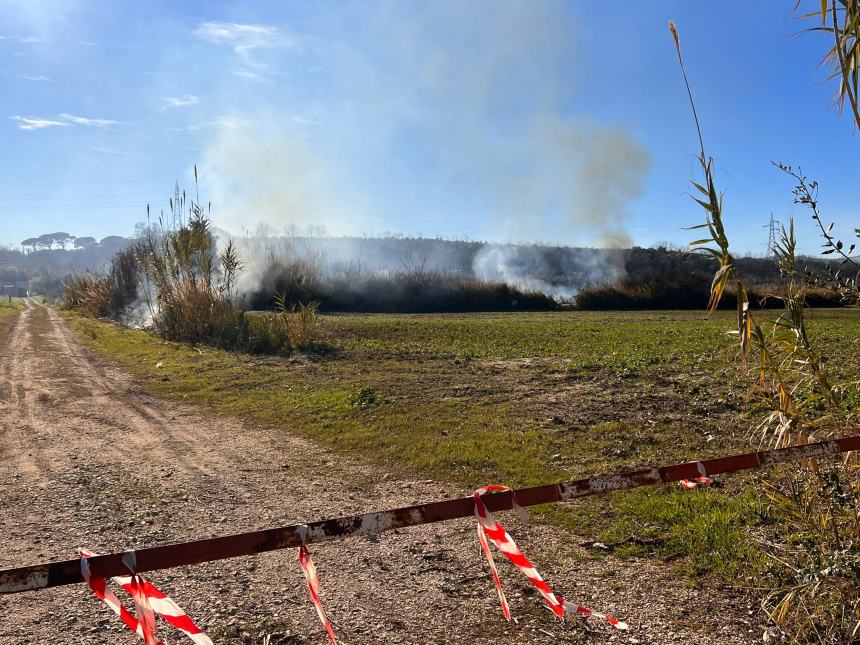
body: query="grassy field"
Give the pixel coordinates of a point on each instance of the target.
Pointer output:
(519, 399)
(9, 308)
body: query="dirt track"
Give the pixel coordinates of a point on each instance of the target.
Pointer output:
(89, 460)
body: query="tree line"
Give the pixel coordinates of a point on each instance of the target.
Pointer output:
(63, 241)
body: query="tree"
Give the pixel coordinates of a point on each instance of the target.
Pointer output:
(113, 242)
(45, 241)
(30, 242)
(63, 239)
(84, 242)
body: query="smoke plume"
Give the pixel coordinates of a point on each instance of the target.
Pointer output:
(443, 117)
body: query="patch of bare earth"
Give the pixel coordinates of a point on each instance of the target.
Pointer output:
(88, 460)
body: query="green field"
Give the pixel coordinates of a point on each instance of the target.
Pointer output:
(519, 399)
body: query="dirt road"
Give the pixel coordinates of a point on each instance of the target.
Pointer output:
(87, 459)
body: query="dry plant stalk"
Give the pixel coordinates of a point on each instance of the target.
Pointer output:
(815, 554)
(844, 56)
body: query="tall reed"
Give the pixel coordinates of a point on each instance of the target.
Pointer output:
(814, 552)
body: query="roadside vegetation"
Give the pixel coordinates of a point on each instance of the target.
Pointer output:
(175, 281)
(9, 307)
(9, 310)
(812, 553)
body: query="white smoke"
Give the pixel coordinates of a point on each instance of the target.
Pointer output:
(531, 268)
(452, 107)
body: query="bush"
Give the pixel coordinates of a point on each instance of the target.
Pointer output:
(105, 295)
(189, 292)
(283, 331)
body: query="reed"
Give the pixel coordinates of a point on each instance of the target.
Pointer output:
(814, 547)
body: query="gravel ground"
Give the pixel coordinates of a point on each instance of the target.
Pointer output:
(90, 460)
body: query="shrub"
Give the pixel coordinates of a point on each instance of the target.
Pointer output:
(814, 552)
(282, 331)
(366, 397)
(105, 295)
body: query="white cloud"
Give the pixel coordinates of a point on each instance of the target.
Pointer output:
(229, 122)
(304, 121)
(81, 120)
(181, 101)
(64, 119)
(241, 37)
(35, 123)
(25, 39)
(35, 77)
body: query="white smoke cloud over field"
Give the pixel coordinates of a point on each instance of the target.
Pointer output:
(443, 115)
(532, 268)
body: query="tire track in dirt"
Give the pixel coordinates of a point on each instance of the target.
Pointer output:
(90, 460)
(19, 440)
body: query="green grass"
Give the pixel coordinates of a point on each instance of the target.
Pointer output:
(615, 339)
(10, 306)
(9, 309)
(708, 526)
(520, 399)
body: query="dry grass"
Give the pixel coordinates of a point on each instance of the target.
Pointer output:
(105, 295)
(187, 285)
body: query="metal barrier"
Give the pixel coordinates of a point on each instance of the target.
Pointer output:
(53, 574)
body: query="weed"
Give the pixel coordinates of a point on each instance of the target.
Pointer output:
(105, 295)
(366, 397)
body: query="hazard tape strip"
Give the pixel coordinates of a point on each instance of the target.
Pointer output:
(488, 527)
(65, 572)
(701, 480)
(148, 600)
(573, 608)
(313, 580)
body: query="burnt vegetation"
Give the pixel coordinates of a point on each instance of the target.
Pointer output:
(419, 275)
(542, 278)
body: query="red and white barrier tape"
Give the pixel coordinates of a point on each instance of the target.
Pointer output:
(488, 527)
(702, 479)
(310, 571)
(52, 574)
(570, 607)
(148, 600)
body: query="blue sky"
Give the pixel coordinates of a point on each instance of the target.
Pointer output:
(561, 122)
